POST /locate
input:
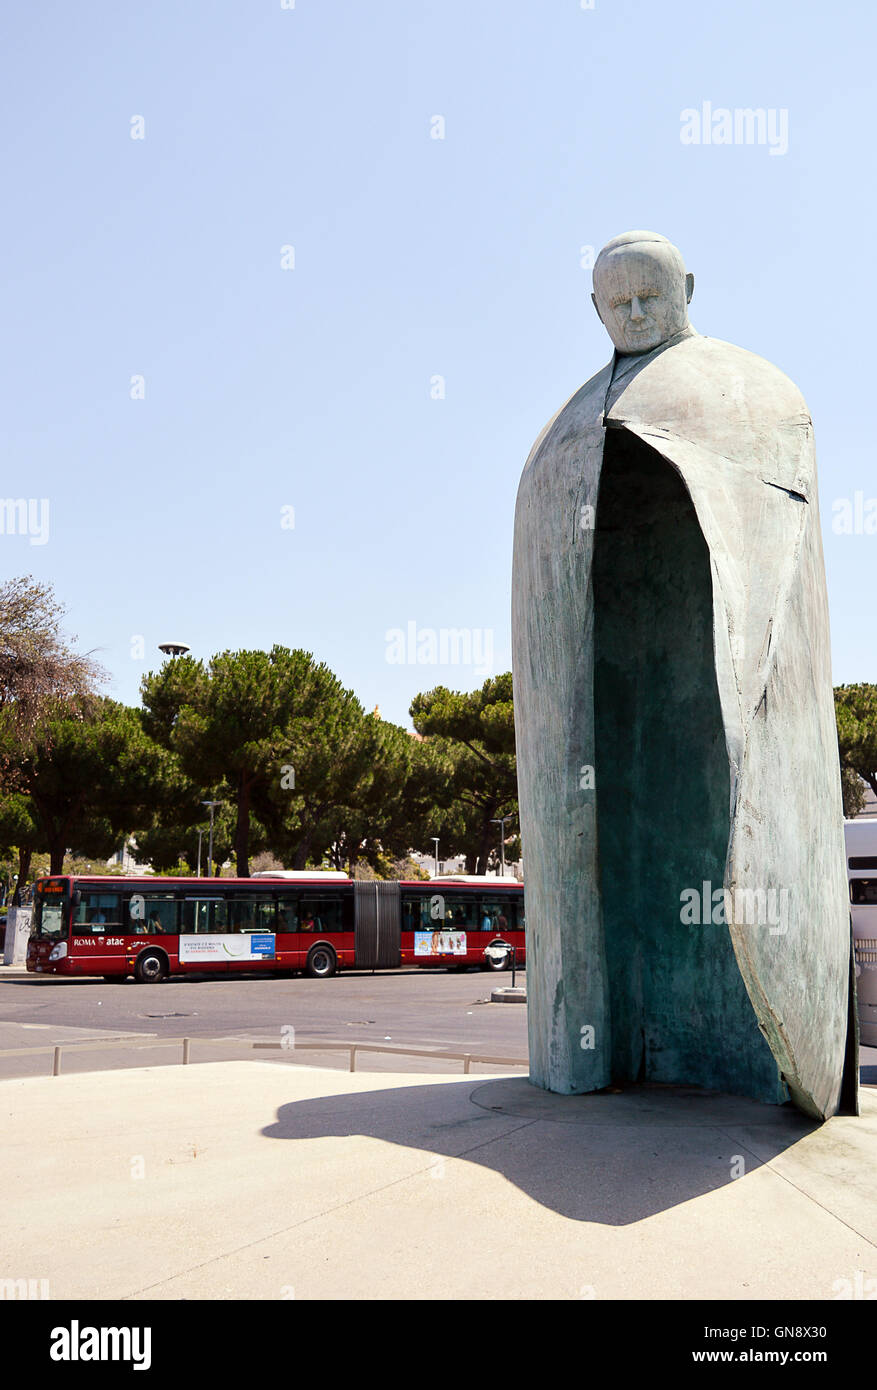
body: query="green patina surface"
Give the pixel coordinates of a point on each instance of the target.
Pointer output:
(679, 1008)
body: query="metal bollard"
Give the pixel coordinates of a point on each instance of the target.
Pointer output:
(466, 1060)
(56, 1062)
(353, 1059)
(185, 1052)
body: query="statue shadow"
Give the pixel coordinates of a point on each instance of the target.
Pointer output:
(613, 1158)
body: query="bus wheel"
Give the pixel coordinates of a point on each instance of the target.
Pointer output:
(498, 962)
(322, 962)
(151, 968)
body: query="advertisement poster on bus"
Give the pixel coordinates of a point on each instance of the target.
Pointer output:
(254, 946)
(439, 943)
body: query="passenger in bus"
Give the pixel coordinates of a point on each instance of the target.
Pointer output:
(154, 924)
(486, 923)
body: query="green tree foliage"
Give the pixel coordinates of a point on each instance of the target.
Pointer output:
(248, 721)
(855, 708)
(298, 764)
(43, 683)
(90, 774)
(173, 839)
(472, 736)
(306, 805)
(853, 789)
(364, 792)
(19, 839)
(297, 767)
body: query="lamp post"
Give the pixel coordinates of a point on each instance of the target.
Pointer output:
(435, 840)
(173, 648)
(500, 821)
(200, 833)
(211, 804)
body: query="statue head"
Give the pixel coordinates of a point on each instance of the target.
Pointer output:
(641, 291)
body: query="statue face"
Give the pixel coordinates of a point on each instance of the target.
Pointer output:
(641, 293)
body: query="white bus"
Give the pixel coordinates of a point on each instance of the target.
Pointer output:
(861, 848)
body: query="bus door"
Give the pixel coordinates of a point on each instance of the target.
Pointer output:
(377, 926)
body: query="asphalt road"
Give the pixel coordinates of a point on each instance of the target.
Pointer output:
(131, 1025)
(103, 1027)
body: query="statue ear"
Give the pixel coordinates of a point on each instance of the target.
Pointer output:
(597, 307)
(689, 287)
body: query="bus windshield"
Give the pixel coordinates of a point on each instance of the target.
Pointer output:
(50, 908)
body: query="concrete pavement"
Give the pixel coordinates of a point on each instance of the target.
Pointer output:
(254, 1180)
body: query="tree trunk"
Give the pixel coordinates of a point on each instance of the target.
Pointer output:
(56, 857)
(24, 858)
(242, 830)
(484, 846)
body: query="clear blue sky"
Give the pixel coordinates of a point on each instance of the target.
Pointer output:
(414, 257)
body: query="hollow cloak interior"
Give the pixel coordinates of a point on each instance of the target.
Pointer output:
(678, 1006)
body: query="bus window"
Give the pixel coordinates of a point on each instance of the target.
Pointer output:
(201, 915)
(154, 914)
(489, 914)
(321, 915)
(287, 915)
(415, 914)
(863, 891)
(497, 915)
(97, 911)
(50, 909)
(460, 913)
(249, 913)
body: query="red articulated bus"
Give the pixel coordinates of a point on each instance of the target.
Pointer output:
(307, 921)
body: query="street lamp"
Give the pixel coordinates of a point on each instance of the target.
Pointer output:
(500, 821)
(173, 648)
(211, 804)
(435, 840)
(200, 833)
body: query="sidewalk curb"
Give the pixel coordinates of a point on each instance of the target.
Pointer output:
(509, 994)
